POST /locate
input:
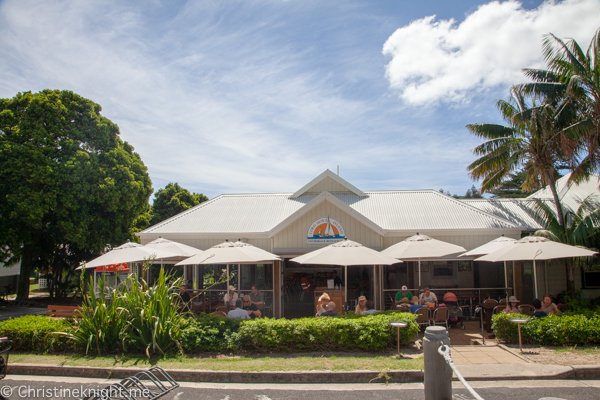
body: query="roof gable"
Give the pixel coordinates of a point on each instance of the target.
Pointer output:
(328, 182)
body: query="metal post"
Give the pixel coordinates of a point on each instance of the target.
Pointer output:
(437, 373)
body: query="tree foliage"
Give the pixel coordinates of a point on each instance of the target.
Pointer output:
(172, 200)
(68, 184)
(512, 186)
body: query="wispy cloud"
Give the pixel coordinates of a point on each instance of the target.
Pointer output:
(435, 61)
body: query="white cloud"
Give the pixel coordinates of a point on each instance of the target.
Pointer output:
(445, 61)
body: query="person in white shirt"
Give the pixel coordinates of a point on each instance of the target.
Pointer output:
(427, 297)
(230, 298)
(238, 312)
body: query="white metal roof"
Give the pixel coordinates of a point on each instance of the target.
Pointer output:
(571, 195)
(391, 210)
(519, 211)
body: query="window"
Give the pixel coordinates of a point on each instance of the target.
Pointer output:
(443, 269)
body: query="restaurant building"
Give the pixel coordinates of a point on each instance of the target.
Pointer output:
(329, 209)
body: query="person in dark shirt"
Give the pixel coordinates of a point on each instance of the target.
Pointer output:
(336, 279)
(252, 308)
(184, 296)
(537, 305)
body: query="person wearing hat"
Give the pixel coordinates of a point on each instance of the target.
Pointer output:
(361, 306)
(252, 308)
(512, 306)
(230, 298)
(403, 297)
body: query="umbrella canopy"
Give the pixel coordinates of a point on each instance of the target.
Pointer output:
(346, 253)
(128, 253)
(536, 248)
(489, 247)
(182, 250)
(422, 246)
(231, 253)
(113, 268)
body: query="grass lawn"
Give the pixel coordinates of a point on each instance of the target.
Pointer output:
(222, 363)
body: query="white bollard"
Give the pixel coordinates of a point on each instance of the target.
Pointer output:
(437, 373)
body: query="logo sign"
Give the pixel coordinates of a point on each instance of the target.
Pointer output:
(325, 230)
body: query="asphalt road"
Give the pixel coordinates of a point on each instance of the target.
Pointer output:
(27, 387)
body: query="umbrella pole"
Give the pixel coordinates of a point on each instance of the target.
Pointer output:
(346, 285)
(535, 280)
(505, 282)
(419, 274)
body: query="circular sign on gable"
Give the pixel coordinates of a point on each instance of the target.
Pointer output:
(325, 230)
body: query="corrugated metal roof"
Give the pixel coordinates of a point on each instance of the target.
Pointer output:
(571, 196)
(518, 211)
(391, 210)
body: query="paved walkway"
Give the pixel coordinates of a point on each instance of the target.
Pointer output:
(466, 353)
(15, 312)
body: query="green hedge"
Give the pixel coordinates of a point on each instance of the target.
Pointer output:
(366, 333)
(209, 332)
(212, 333)
(554, 330)
(36, 333)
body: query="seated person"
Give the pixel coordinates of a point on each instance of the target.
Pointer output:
(252, 308)
(330, 310)
(403, 297)
(322, 303)
(548, 306)
(257, 298)
(238, 312)
(370, 308)
(413, 309)
(361, 306)
(184, 298)
(230, 298)
(538, 313)
(512, 306)
(428, 297)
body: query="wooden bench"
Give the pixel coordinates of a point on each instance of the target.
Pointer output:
(64, 311)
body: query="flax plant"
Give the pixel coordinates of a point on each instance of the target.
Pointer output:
(102, 320)
(154, 324)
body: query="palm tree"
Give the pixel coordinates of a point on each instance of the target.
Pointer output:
(534, 141)
(575, 74)
(580, 229)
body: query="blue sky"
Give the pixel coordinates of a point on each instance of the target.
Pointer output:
(262, 96)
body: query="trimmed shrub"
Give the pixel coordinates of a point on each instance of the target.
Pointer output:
(209, 332)
(554, 330)
(36, 333)
(351, 333)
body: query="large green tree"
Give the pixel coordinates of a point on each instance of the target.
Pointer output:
(172, 200)
(575, 75)
(68, 184)
(535, 140)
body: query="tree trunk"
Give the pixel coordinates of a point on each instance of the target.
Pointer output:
(570, 277)
(559, 210)
(27, 261)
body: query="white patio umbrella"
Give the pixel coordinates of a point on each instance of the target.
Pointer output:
(490, 247)
(536, 248)
(231, 253)
(128, 253)
(422, 246)
(182, 250)
(345, 253)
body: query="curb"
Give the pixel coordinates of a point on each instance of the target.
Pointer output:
(575, 372)
(188, 375)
